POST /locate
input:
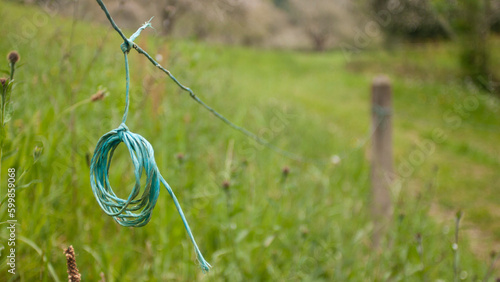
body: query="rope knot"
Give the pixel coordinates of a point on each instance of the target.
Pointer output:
(122, 127)
(126, 46)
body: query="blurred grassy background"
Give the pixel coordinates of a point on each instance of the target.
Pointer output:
(313, 225)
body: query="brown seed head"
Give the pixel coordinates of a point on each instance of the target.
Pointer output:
(13, 57)
(98, 96)
(3, 81)
(226, 184)
(73, 273)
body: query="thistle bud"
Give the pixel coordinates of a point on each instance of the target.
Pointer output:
(13, 57)
(285, 171)
(226, 184)
(304, 230)
(37, 152)
(180, 158)
(3, 81)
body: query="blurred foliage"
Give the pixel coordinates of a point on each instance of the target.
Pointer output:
(409, 19)
(316, 24)
(468, 22)
(473, 27)
(251, 221)
(419, 20)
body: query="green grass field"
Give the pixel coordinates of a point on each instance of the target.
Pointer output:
(313, 224)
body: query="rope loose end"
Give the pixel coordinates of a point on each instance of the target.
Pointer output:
(143, 27)
(204, 265)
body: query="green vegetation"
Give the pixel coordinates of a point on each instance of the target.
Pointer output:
(251, 221)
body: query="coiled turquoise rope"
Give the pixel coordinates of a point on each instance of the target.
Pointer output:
(133, 211)
(136, 210)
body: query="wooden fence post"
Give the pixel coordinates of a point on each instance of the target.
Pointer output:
(381, 156)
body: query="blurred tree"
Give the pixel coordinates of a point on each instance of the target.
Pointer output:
(204, 16)
(282, 4)
(170, 11)
(472, 21)
(321, 19)
(494, 15)
(233, 21)
(411, 19)
(468, 22)
(473, 28)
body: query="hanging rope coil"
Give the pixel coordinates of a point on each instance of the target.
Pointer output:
(133, 211)
(136, 210)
